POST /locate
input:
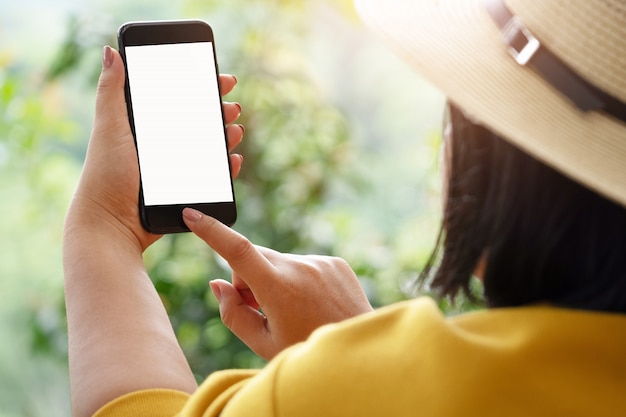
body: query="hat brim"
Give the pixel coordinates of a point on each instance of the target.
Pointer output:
(457, 46)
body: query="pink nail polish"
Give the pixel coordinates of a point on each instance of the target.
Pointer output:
(107, 56)
(216, 290)
(192, 215)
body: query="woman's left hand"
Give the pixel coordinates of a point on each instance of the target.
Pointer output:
(109, 186)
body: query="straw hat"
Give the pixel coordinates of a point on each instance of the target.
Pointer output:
(552, 93)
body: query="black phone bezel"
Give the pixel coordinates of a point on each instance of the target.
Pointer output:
(161, 219)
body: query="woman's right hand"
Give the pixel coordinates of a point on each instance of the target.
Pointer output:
(277, 299)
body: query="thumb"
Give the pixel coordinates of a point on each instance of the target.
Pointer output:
(245, 322)
(111, 114)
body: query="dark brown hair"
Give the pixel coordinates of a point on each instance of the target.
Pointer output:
(544, 237)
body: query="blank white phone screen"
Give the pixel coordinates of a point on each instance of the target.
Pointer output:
(178, 124)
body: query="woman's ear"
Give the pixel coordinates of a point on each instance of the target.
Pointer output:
(479, 271)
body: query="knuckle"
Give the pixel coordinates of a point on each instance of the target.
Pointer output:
(321, 267)
(332, 263)
(341, 264)
(242, 248)
(311, 266)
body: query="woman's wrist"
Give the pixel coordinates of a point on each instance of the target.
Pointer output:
(86, 219)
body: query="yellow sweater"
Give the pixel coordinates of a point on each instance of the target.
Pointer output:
(409, 360)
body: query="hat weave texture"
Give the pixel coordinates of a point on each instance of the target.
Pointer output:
(457, 46)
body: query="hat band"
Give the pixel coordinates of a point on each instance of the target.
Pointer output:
(527, 50)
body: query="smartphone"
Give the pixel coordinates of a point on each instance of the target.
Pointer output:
(175, 113)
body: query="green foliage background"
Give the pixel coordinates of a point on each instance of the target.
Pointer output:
(340, 158)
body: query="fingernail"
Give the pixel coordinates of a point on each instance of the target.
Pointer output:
(234, 77)
(217, 292)
(192, 215)
(107, 56)
(238, 106)
(243, 128)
